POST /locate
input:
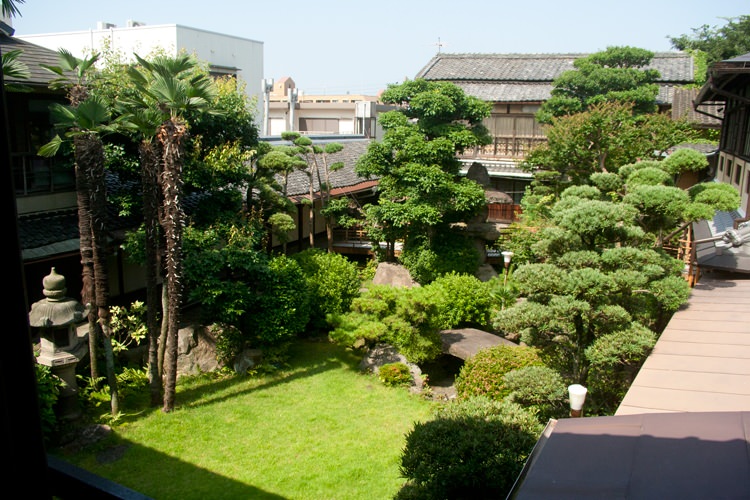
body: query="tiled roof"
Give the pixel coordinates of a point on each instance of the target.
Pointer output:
(682, 107)
(32, 56)
(529, 77)
(344, 178)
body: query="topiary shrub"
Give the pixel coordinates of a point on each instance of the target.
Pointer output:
(463, 301)
(395, 374)
(538, 388)
(449, 253)
(405, 318)
(472, 449)
(333, 282)
(482, 374)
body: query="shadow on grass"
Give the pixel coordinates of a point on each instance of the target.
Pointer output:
(308, 357)
(118, 462)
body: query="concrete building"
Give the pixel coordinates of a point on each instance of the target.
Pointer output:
(225, 54)
(290, 109)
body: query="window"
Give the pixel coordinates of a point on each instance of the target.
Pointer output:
(31, 128)
(319, 125)
(738, 174)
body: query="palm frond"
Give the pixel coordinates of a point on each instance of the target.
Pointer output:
(12, 67)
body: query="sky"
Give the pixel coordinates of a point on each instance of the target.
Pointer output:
(337, 47)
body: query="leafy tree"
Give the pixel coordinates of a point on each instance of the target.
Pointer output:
(262, 301)
(618, 74)
(718, 43)
(417, 167)
(600, 139)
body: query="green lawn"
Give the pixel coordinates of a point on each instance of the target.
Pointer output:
(318, 430)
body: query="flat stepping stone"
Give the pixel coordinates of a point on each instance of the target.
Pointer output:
(466, 342)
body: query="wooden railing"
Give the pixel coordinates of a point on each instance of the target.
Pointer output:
(505, 147)
(503, 212)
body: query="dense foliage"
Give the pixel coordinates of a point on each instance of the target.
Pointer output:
(410, 319)
(420, 190)
(333, 281)
(718, 43)
(406, 318)
(471, 449)
(264, 298)
(482, 374)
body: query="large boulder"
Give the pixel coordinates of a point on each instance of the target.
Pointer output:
(388, 273)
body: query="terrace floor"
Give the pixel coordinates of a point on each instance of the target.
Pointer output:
(701, 361)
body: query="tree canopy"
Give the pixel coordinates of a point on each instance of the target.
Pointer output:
(718, 43)
(421, 191)
(618, 74)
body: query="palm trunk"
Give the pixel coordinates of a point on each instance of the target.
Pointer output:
(87, 263)
(171, 135)
(89, 152)
(151, 197)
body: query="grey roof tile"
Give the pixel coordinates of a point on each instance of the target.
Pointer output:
(529, 77)
(345, 177)
(33, 56)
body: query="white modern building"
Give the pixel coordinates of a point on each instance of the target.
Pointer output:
(226, 54)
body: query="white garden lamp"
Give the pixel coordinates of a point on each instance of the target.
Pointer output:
(507, 254)
(577, 394)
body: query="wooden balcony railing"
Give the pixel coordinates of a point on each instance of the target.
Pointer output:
(505, 147)
(503, 212)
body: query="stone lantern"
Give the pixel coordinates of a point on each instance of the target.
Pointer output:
(61, 349)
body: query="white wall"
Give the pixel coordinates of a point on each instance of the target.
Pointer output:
(215, 48)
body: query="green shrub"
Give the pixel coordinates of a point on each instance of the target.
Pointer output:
(482, 374)
(472, 449)
(538, 388)
(405, 318)
(333, 282)
(48, 390)
(449, 253)
(614, 362)
(463, 301)
(279, 308)
(395, 374)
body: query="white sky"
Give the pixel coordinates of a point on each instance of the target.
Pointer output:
(329, 46)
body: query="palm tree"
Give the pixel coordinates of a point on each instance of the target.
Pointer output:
(175, 86)
(142, 119)
(85, 120)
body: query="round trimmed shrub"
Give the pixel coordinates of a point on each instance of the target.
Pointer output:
(395, 374)
(539, 388)
(473, 449)
(333, 281)
(482, 374)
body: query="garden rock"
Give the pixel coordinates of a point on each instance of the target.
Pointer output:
(196, 350)
(383, 354)
(388, 273)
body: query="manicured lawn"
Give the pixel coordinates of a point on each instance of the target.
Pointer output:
(318, 429)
